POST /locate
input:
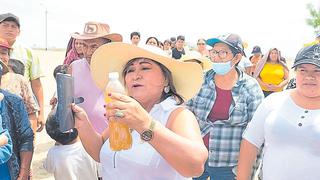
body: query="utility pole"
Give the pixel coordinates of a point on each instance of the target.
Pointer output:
(46, 28)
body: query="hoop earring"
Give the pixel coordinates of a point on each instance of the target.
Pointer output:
(166, 89)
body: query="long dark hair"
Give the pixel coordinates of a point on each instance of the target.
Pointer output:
(168, 76)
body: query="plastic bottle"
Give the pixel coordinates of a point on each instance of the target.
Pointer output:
(120, 137)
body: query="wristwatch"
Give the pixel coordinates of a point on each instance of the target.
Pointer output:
(147, 135)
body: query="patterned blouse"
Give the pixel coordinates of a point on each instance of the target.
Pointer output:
(19, 85)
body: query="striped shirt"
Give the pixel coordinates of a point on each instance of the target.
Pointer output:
(226, 134)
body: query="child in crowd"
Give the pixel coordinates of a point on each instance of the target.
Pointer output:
(67, 159)
(63, 69)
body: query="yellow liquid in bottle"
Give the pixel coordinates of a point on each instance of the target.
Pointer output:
(107, 99)
(120, 136)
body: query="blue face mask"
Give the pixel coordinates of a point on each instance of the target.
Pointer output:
(222, 68)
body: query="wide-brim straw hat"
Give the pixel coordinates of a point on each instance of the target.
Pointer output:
(197, 57)
(93, 30)
(112, 57)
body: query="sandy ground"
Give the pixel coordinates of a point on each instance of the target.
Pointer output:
(49, 60)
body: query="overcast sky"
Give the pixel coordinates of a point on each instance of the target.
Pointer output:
(269, 23)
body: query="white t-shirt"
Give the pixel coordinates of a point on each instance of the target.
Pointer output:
(142, 161)
(292, 138)
(70, 162)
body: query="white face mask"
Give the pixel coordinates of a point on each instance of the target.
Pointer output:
(222, 68)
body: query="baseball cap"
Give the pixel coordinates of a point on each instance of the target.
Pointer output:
(308, 55)
(10, 17)
(256, 49)
(180, 37)
(232, 40)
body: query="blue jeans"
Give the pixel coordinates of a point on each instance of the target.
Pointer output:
(216, 173)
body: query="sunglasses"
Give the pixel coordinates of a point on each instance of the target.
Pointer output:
(201, 43)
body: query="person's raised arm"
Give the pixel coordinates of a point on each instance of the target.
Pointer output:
(91, 140)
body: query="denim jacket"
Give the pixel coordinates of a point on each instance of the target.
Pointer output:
(15, 119)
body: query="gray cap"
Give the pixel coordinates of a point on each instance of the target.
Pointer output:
(256, 49)
(10, 17)
(232, 40)
(308, 55)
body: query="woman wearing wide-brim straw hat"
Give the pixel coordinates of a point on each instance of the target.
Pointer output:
(288, 125)
(157, 86)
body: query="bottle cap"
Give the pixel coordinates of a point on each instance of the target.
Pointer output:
(114, 75)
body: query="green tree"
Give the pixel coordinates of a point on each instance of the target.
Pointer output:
(314, 19)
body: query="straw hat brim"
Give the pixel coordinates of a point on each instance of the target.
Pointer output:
(205, 62)
(114, 37)
(112, 57)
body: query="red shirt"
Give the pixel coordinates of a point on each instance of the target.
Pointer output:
(220, 109)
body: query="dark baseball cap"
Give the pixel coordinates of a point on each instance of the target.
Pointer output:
(181, 37)
(232, 40)
(256, 50)
(173, 39)
(308, 55)
(9, 17)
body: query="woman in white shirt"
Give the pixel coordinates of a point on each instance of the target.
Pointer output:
(155, 84)
(288, 124)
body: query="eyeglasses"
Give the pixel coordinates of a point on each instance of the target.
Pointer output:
(222, 54)
(200, 43)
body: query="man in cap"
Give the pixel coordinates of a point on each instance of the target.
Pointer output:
(224, 106)
(14, 117)
(94, 35)
(255, 58)
(10, 30)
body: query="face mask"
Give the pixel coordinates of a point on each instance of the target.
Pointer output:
(222, 68)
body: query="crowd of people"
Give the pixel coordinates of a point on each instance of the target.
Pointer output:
(207, 112)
